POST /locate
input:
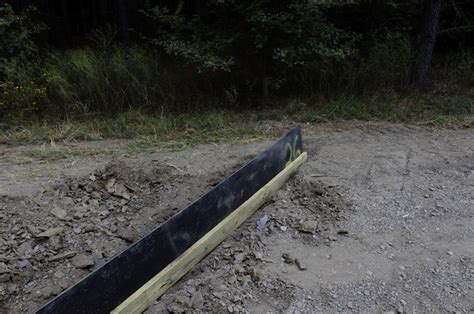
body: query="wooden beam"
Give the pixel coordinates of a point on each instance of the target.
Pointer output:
(166, 278)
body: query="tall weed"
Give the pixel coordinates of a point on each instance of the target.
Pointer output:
(90, 81)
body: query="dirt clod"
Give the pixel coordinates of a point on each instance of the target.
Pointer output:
(82, 261)
(127, 234)
(3, 268)
(49, 291)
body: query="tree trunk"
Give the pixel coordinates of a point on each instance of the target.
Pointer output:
(424, 51)
(84, 22)
(264, 79)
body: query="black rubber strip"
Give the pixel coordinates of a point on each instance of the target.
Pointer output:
(107, 287)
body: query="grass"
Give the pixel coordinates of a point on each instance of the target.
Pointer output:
(208, 126)
(189, 129)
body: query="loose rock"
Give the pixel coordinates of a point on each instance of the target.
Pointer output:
(309, 226)
(59, 212)
(50, 232)
(62, 256)
(299, 264)
(197, 300)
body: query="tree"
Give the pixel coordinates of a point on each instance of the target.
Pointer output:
(426, 41)
(16, 38)
(264, 38)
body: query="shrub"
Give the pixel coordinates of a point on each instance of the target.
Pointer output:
(20, 90)
(456, 67)
(16, 39)
(378, 64)
(22, 99)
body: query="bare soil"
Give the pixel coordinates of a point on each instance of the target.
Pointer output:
(380, 219)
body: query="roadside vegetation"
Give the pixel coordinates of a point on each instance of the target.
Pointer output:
(220, 73)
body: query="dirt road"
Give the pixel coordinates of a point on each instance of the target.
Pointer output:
(380, 219)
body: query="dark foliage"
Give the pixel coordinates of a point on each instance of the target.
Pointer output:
(82, 57)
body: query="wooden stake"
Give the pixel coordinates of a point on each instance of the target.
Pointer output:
(166, 278)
